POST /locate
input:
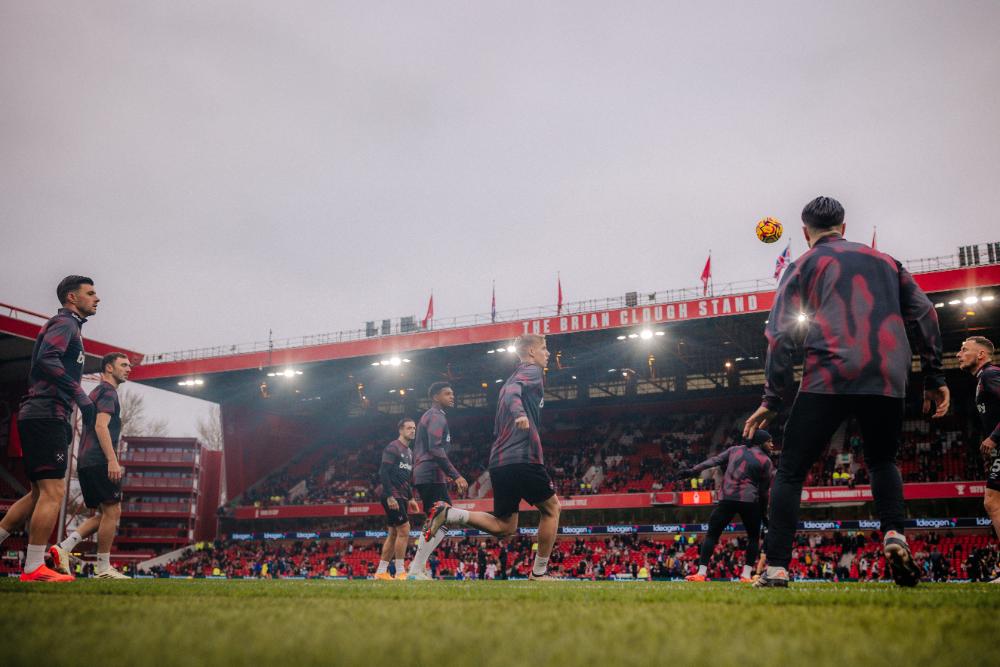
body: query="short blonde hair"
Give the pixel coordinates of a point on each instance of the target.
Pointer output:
(523, 343)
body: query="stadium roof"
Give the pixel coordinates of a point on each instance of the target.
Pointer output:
(708, 337)
(18, 330)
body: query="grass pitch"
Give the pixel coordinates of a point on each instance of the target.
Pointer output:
(291, 623)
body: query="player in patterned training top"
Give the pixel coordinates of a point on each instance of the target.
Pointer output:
(44, 421)
(976, 357)
(394, 473)
(99, 473)
(744, 491)
(851, 305)
(517, 468)
(432, 469)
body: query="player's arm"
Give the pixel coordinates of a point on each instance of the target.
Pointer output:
(991, 385)
(102, 427)
(435, 447)
(717, 460)
(514, 396)
(388, 488)
(918, 310)
(782, 332)
(49, 360)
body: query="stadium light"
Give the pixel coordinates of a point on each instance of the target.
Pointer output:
(970, 300)
(510, 348)
(939, 305)
(395, 361)
(622, 337)
(646, 334)
(491, 351)
(661, 333)
(192, 382)
(988, 297)
(954, 302)
(633, 335)
(802, 317)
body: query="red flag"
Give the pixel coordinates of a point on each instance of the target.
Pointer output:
(559, 305)
(706, 274)
(430, 312)
(874, 232)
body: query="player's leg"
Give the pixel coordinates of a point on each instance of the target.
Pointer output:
(881, 422)
(717, 522)
(484, 521)
(991, 502)
(19, 513)
(750, 516)
(548, 528)
(399, 549)
(43, 520)
(61, 552)
(388, 549)
(110, 513)
(811, 423)
(430, 494)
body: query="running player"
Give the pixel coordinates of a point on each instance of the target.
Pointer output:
(99, 472)
(517, 468)
(44, 421)
(432, 470)
(397, 497)
(852, 305)
(744, 491)
(976, 357)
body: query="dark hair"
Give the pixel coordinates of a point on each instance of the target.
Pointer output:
(110, 358)
(71, 284)
(404, 420)
(436, 388)
(983, 341)
(823, 213)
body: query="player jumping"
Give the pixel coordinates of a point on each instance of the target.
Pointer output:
(44, 421)
(99, 472)
(516, 466)
(397, 499)
(744, 491)
(851, 305)
(432, 469)
(976, 357)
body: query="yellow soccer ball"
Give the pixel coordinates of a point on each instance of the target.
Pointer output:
(769, 230)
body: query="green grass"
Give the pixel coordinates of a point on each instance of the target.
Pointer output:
(482, 624)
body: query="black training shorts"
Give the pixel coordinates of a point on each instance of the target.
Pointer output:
(517, 481)
(432, 493)
(45, 443)
(97, 488)
(395, 517)
(993, 471)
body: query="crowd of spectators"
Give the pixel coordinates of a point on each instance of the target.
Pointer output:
(834, 556)
(631, 455)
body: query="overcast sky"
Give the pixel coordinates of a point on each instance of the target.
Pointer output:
(222, 168)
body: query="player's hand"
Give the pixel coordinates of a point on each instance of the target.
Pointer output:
(115, 471)
(987, 447)
(391, 502)
(522, 423)
(461, 485)
(683, 473)
(88, 412)
(412, 507)
(940, 397)
(759, 419)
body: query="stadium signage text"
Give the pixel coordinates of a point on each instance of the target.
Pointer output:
(677, 529)
(670, 312)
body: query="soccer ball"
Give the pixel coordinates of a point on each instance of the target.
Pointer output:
(769, 230)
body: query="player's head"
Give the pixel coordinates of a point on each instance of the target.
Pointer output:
(77, 293)
(531, 348)
(762, 439)
(407, 430)
(441, 394)
(821, 217)
(974, 353)
(115, 365)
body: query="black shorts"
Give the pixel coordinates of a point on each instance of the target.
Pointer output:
(432, 493)
(993, 473)
(45, 443)
(517, 481)
(97, 488)
(395, 517)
